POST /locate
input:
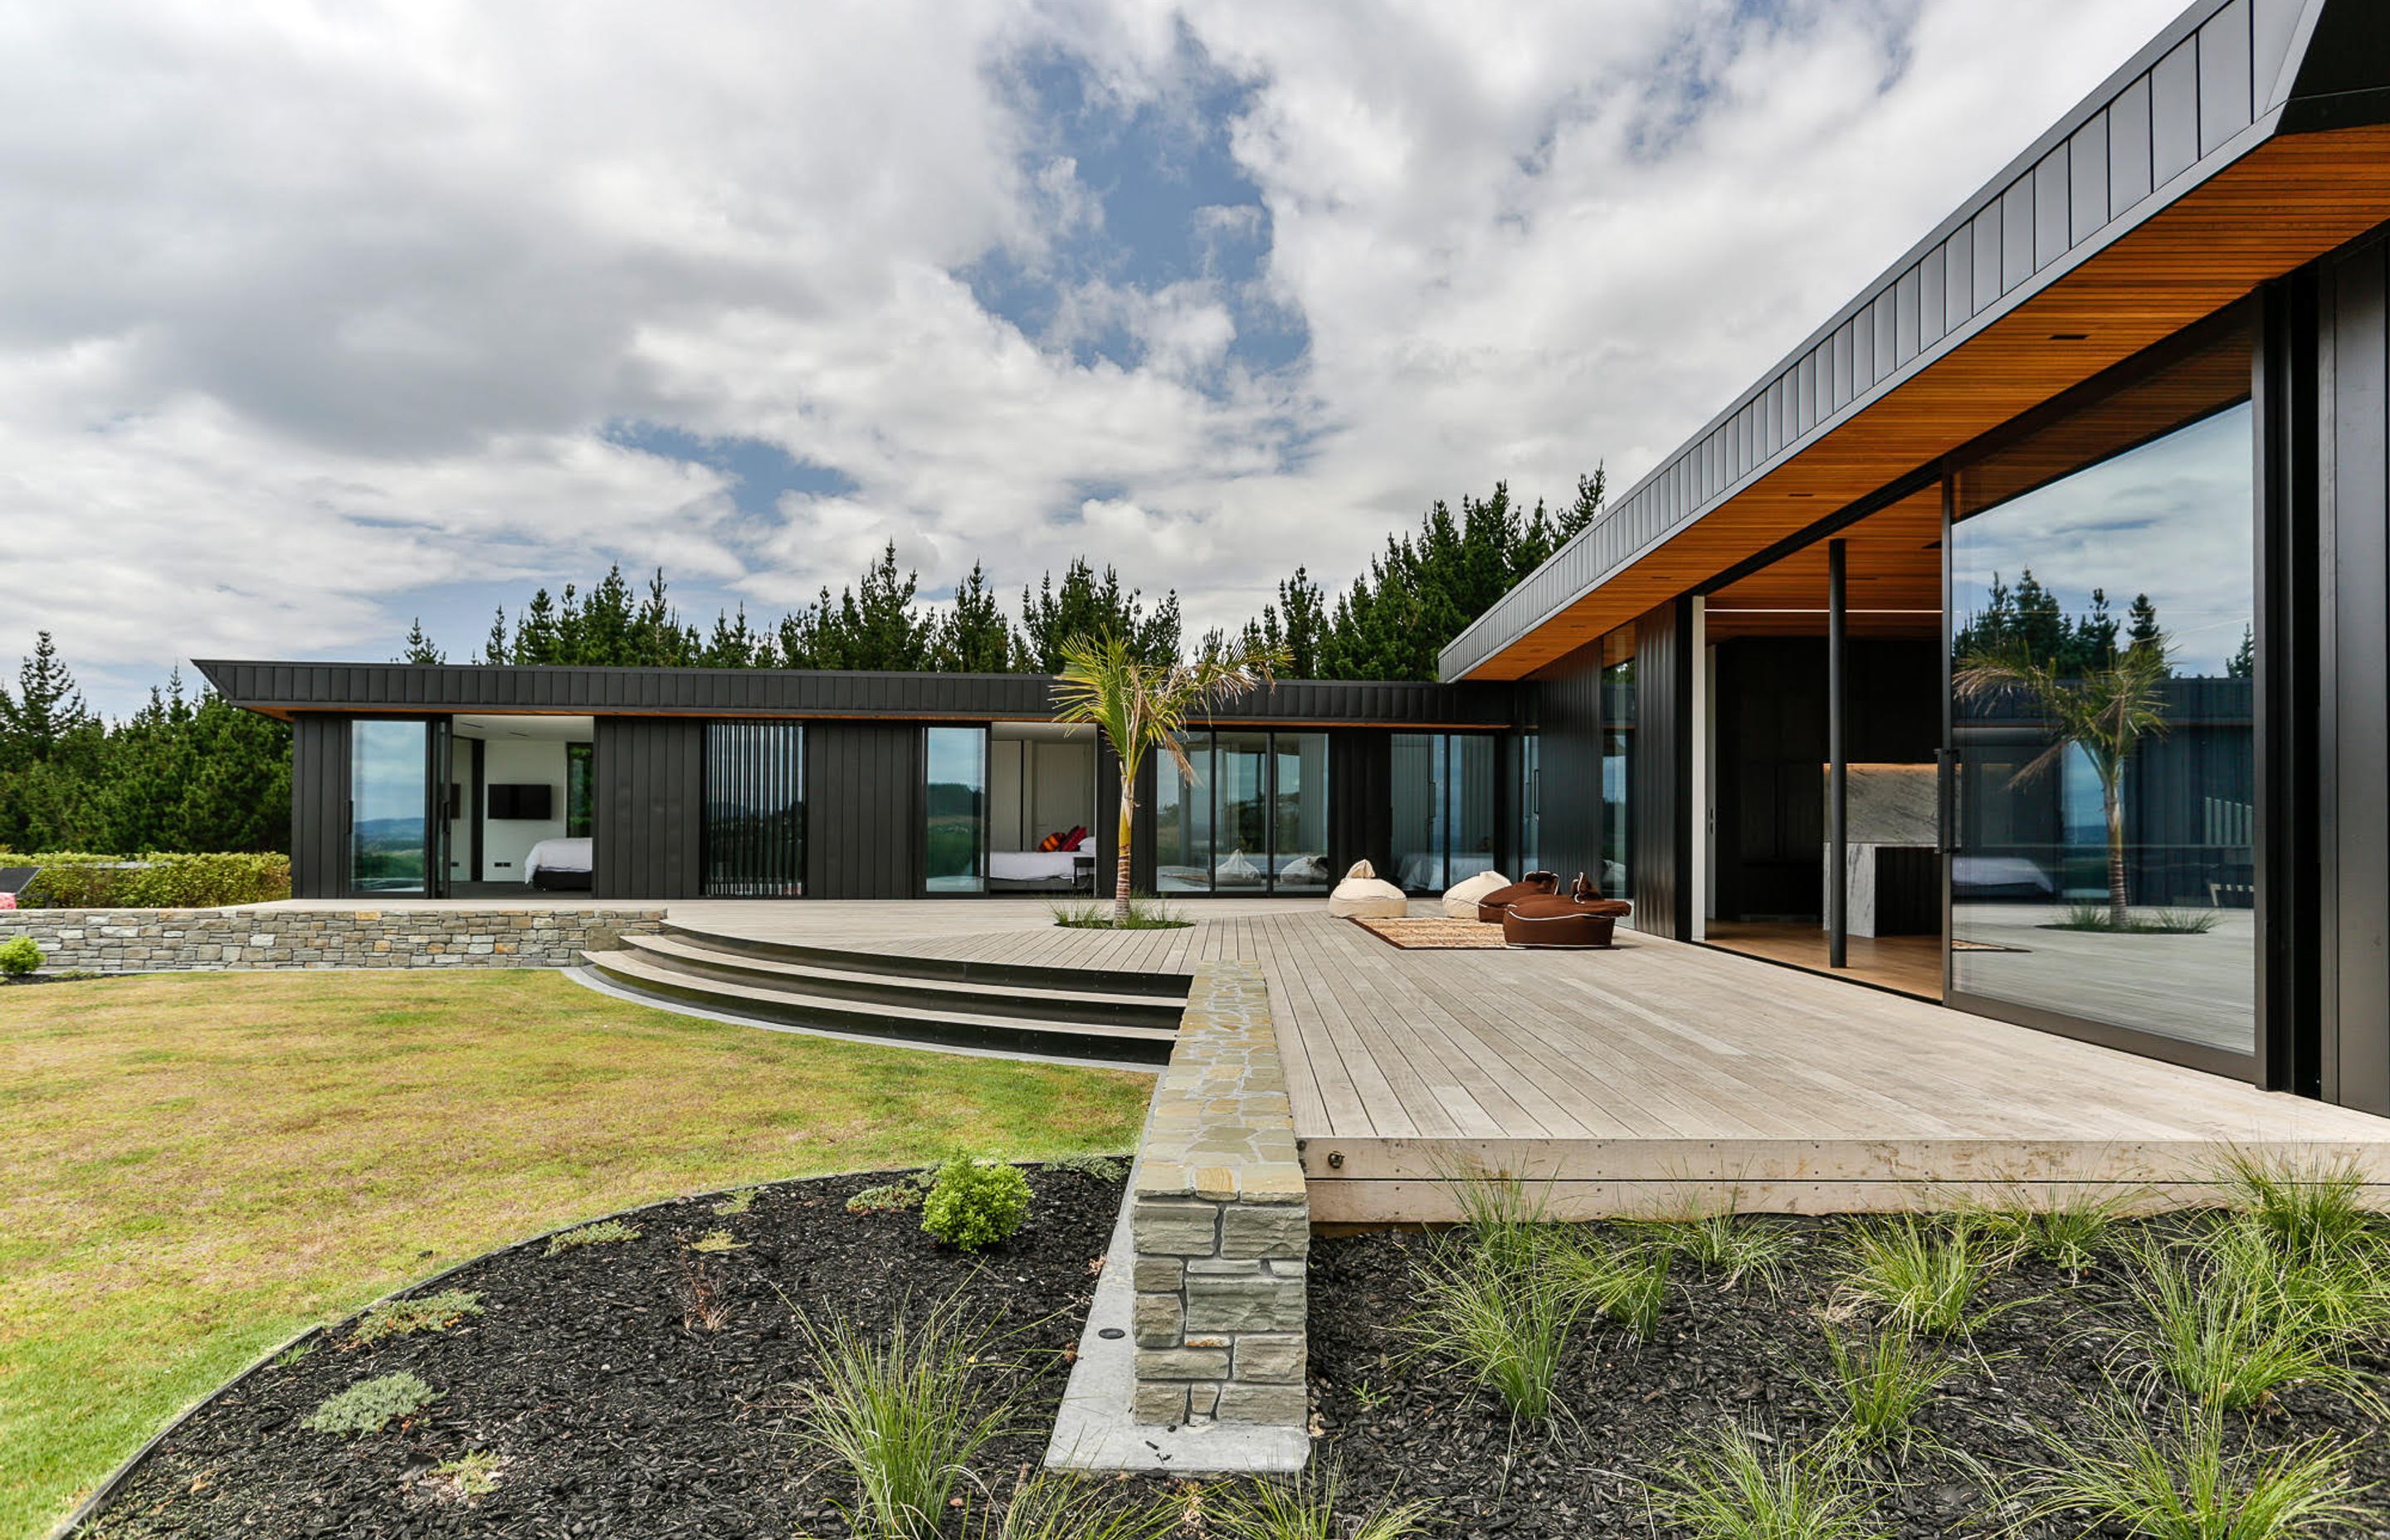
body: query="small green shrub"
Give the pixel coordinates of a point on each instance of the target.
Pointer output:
(737, 1204)
(714, 1242)
(474, 1474)
(887, 1198)
(155, 880)
(1926, 1274)
(602, 1233)
(2180, 1483)
(1094, 1168)
(1145, 913)
(370, 1405)
(405, 1318)
(976, 1203)
(19, 957)
(1732, 1485)
(1881, 1382)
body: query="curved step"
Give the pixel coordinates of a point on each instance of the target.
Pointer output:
(702, 958)
(640, 973)
(1111, 981)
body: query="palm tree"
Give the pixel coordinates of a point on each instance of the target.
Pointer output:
(1138, 705)
(2105, 712)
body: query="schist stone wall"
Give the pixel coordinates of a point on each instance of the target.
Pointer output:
(1220, 1222)
(142, 941)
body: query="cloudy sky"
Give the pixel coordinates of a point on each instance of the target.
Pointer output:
(314, 319)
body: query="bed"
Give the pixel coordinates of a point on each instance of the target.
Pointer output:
(560, 866)
(1038, 866)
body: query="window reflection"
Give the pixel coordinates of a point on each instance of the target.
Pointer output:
(956, 758)
(2101, 661)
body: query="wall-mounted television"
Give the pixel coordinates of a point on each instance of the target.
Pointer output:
(531, 801)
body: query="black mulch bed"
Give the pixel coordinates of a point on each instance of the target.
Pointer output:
(1407, 1430)
(614, 1418)
(612, 1415)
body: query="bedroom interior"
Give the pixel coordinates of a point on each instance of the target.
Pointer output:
(519, 806)
(1041, 808)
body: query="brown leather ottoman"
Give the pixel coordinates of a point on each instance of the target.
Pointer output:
(1579, 919)
(1491, 907)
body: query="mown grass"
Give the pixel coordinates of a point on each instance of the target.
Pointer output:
(193, 1167)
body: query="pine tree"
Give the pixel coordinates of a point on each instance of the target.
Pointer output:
(48, 711)
(1086, 606)
(2243, 664)
(537, 639)
(495, 651)
(419, 647)
(974, 636)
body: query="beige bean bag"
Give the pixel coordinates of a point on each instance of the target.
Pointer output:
(1362, 895)
(1462, 899)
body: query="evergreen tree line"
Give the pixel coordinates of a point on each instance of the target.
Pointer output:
(2027, 618)
(1418, 593)
(188, 772)
(178, 774)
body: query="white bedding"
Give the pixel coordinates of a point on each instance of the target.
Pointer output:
(559, 855)
(1034, 866)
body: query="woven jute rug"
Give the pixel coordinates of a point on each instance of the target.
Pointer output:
(1434, 934)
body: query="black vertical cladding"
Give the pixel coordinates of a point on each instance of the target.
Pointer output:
(2353, 836)
(1660, 792)
(647, 831)
(1568, 706)
(863, 784)
(319, 806)
(1360, 799)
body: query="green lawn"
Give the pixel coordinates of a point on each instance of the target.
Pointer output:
(194, 1166)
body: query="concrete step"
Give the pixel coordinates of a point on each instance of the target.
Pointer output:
(700, 956)
(644, 973)
(1111, 981)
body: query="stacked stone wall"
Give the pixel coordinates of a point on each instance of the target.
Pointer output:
(1219, 1222)
(143, 941)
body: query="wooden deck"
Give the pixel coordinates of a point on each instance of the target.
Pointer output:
(1642, 1078)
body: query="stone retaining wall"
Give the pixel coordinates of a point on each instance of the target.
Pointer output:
(142, 941)
(1219, 1223)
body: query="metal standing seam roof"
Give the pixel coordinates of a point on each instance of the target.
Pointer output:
(2226, 76)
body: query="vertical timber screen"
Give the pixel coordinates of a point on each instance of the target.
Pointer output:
(754, 810)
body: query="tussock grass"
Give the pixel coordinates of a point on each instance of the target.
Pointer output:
(1882, 1381)
(1627, 1284)
(1306, 1510)
(1727, 1242)
(1046, 1506)
(2224, 1319)
(2310, 1210)
(2069, 1230)
(2181, 1482)
(906, 1414)
(1505, 1323)
(1923, 1273)
(1732, 1484)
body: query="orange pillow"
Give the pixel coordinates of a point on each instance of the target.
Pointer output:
(1049, 844)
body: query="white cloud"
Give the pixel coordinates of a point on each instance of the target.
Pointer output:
(305, 311)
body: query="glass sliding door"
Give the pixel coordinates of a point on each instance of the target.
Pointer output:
(1182, 820)
(754, 809)
(1253, 821)
(391, 807)
(2103, 654)
(1299, 812)
(1443, 808)
(955, 839)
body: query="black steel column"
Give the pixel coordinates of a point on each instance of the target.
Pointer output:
(1838, 866)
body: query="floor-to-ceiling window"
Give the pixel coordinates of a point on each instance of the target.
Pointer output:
(955, 840)
(580, 790)
(1253, 820)
(1617, 761)
(2103, 654)
(1444, 808)
(1526, 795)
(754, 809)
(390, 807)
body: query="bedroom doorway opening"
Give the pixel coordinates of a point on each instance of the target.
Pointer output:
(1042, 834)
(518, 805)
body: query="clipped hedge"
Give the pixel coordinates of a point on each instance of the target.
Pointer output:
(157, 880)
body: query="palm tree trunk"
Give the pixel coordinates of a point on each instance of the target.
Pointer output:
(2115, 807)
(1121, 871)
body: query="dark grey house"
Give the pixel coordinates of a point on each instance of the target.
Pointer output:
(2021, 640)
